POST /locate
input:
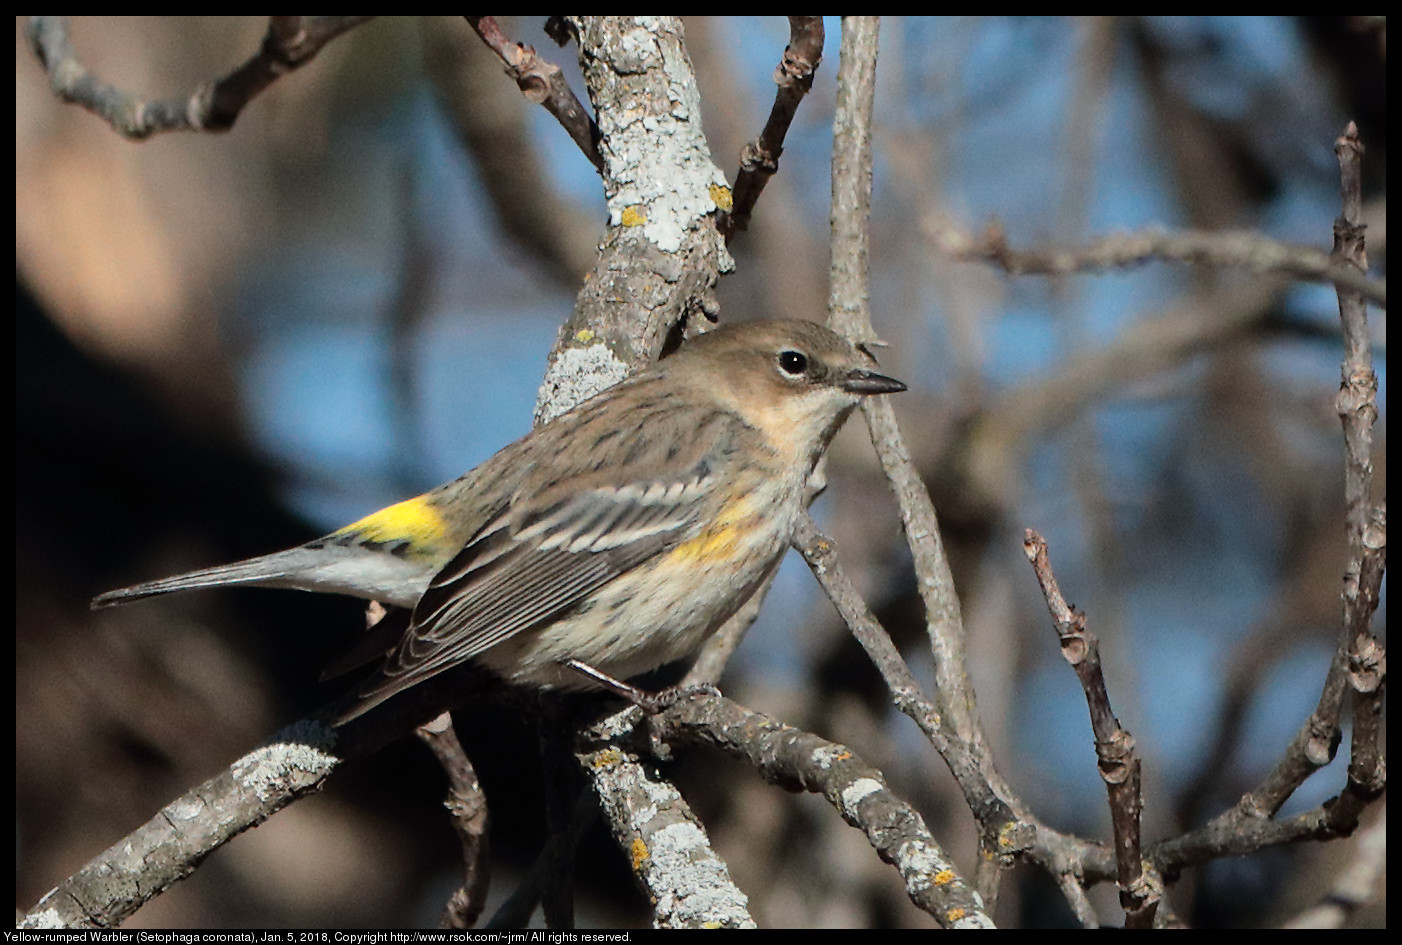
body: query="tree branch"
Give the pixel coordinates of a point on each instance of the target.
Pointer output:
(662, 255)
(849, 314)
(293, 763)
(665, 842)
(168, 847)
(798, 760)
(290, 43)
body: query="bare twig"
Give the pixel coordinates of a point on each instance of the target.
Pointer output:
(1314, 745)
(1251, 251)
(495, 127)
(1359, 661)
(468, 807)
(849, 314)
(1242, 830)
(1006, 830)
(290, 43)
(849, 218)
(1114, 747)
(1365, 522)
(543, 83)
(1075, 894)
(759, 160)
(993, 815)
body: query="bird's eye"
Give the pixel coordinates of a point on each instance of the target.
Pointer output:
(793, 363)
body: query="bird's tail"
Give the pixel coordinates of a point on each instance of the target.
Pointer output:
(356, 571)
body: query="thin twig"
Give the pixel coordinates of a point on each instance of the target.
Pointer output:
(468, 807)
(1365, 522)
(759, 160)
(1242, 830)
(1114, 746)
(290, 43)
(1251, 251)
(849, 314)
(1316, 742)
(960, 740)
(991, 812)
(1359, 661)
(544, 84)
(1075, 895)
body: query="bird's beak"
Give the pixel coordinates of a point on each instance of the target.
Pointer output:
(859, 381)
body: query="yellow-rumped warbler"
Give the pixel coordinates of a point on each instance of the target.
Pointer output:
(619, 534)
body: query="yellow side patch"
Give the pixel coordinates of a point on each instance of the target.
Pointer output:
(414, 522)
(719, 542)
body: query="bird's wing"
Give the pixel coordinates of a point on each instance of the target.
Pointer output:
(535, 560)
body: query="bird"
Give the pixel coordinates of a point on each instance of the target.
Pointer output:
(610, 540)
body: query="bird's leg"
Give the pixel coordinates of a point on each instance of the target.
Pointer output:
(650, 702)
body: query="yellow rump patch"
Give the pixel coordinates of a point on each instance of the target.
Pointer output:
(414, 522)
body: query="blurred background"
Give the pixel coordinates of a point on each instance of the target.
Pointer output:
(229, 344)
